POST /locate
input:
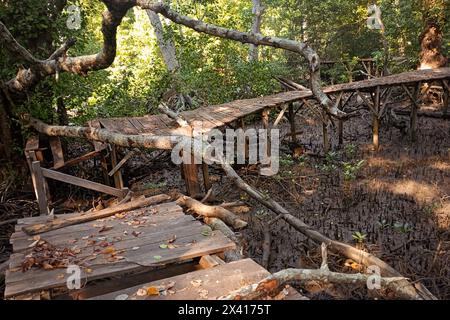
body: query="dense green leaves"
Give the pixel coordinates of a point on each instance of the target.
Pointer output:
(213, 70)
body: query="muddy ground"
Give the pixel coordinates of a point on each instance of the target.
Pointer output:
(397, 199)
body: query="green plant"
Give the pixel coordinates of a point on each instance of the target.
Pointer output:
(350, 150)
(286, 160)
(359, 237)
(351, 169)
(383, 224)
(262, 214)
(152, 185)
(403, 227)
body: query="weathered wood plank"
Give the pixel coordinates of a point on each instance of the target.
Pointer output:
(144, 258)
(217, 282)
(59, 176)
(57, 152)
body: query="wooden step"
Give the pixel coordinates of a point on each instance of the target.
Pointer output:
(206, 284)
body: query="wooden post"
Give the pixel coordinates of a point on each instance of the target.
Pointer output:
(326, 140)
(292, 122)
(206, 180)
(118, 181)
(413, 117)
(190, 175)
(39, 187)
(446, 97)
(376, 121)
(266, 124)
(341, 132)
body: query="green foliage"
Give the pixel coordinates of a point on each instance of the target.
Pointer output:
(213, 70)
(359, 237)
(351, 170)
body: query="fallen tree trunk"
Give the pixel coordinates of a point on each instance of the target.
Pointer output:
(271, 285)
(274, 283)
(61, 222)
(217, 224)
(166, 142)
(212, 212)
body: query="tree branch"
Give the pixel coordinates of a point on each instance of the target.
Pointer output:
(252, 38)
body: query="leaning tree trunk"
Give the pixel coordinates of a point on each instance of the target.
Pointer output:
(165, 43)
(258, 11)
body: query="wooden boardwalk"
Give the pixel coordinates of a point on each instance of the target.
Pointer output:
(205, 119)
(211, 283)
(136, 241)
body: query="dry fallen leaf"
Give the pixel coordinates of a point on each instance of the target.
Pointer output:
(172, 239)
(136, 233)
(108, 250)
(135, 248)
(141, 292)
(153, 291)
(196, 283)
(105, 228)
(203, 294)
(47, 266)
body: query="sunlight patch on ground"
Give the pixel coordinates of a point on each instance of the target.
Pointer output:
(420, 191)
(440, 165)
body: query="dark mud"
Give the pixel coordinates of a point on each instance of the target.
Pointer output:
(399, 200)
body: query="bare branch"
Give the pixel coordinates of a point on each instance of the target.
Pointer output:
(271, 285)
(255, 39)
(11, 44)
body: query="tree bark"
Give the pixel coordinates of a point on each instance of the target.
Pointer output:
(257, 11)
(165, 43)
(431, 56)
(211, 212)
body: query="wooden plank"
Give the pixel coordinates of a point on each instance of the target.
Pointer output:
(217, 282)
(154, 215)
(122, 162)
(62, 177)
(61, 223)
(32, 144)
(37, 172)
(190, 174)
(75, 161)
(142, 259)
(280, 115)
(89, 232)
(118, 180)
(57, 152)
(181, 228)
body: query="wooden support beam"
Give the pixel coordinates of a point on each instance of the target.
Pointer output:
(446, 97)
(280, 115)
(57, 152)
(292, 123)
(75, 161)
(206, 179)
(341, 132)
(62, 177)
(376, 120)
(266, 125)
(37, 173)
(367, 102)
(414, 109)
(190, 176)
(325, 138)
(118, 180)
(122, 162)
